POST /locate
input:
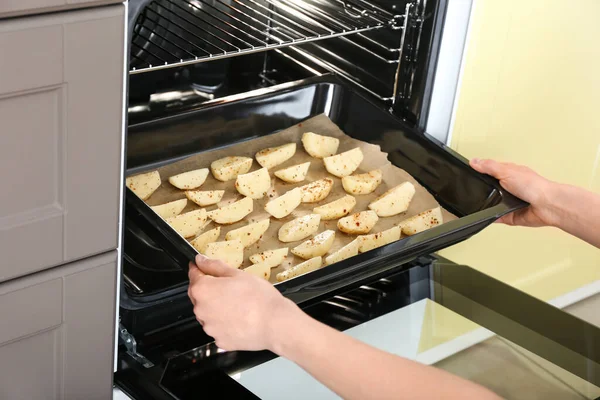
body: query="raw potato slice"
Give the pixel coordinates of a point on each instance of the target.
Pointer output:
(317, 246)
(394, 201)
(170, 209)
(271, 257)
(233, 212)
(273, 156)
(300, 269)
(189, 180)
(299, 228)
(319, 146)
(336, 209)
(284, 204)
(293, 174)
(344, 164)
(231, 252)
(358, 223)
(205, 198)
(207, 237)
(349, 250)
(228, 168)
(254, 184)
(261, 270)
(317, 190)
(374, 240)
(422, 222)
(143, 185)
(362, 183)
(250, 233)
(189, 224)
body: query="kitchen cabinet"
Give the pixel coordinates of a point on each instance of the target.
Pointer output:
(61, 107)
(57, 332)
(13, 8)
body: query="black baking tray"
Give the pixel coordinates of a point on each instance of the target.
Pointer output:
(478, 200)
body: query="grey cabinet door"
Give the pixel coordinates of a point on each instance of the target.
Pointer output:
(61, 110)
(12, 8)
(57, 335)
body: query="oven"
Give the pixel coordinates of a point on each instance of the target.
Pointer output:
(210, 74)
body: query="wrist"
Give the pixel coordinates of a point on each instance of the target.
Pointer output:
(557, 198)
(285, 322)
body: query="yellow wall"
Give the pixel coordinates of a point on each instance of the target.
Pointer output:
(530, 94)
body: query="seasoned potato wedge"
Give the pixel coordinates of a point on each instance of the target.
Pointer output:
(234, 212)
(228, 168)
(231, 252)
(362, 183)
(143, 185)
(189, 224)
(284, 204)
(293, 174)
(394, 201)
(273, 156)
(374, 240)
(205, 198)
(271, 257)
(336, 209)
(170, 209)
(317, 246)
(349, 250)
(317, 190)
(300, 269)
(319, 146)
(207, 237)
(345, 163)
(261, 270)
(189, 180)
(250, 233)
(299, 228)
(422, 222)
(358, 223)
(254, 184)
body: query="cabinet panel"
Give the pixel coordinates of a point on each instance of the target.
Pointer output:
(12, 8)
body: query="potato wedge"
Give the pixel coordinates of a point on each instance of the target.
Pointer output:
(207, 237)
(170, 209)
(231, 252)
(422, 222)
(261, 270)
(345, 163)
(293, 174)
(299, 228)
(374, 240)
(189, 180)
(300, 269)
(254, 184)
(143, 185)
(394, 201)
(228, 168)
(250, 233)
(273, 156)
(234, 212)
(189, 224)
(349, 250)
(286, 203)
(319, 146)
(336, 209)
(317, 246)
(271, 257)
(317, 190)
(362, 183)
(358, 223)
(205, 198)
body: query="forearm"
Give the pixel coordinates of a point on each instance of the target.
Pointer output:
(578, 212)
(355, 370)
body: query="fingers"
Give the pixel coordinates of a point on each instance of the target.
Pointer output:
(214, 267)
(194, 273)
(489, 167)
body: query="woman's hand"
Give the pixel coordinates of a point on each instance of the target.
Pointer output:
(239, 310)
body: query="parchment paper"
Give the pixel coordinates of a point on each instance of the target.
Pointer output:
(373, 158)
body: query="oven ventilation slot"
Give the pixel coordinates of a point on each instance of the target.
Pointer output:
(172, 33)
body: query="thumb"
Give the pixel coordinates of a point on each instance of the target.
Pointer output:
(488, 167)
(214, 267)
